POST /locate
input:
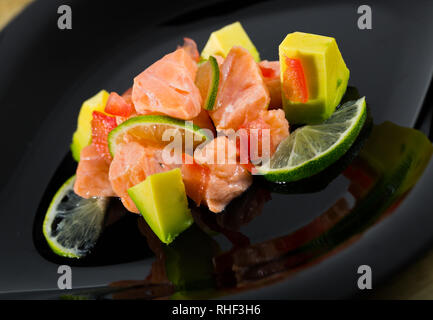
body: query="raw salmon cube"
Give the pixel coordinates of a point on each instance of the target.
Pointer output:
(271, 76)
(227, 179)
(92, 174)
(168, 87)
(242, 93)
(131, 165)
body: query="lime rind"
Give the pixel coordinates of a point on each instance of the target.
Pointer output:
(213, 87)
(310, 149)
(80, 222)
(153, 120)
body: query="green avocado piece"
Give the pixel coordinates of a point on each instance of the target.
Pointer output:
(162, 201)
(391, 147)
(188, 260)
(221, 41)
(325, 72)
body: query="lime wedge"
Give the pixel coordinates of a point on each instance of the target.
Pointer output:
(312, 148)
(150, 129)
(72, 224)
(207, 80)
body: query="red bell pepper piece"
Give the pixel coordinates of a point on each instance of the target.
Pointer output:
(102, 124)
(118, 106)
(294, 83)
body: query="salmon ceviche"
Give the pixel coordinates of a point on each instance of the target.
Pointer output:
(194, 128)
(168, 88)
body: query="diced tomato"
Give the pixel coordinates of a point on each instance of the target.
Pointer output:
(118, 106)
(270, 69)
(102, 124)
(127, 95)
(294, 83)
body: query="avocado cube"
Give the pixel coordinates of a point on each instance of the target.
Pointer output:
(221, 41)
(191, 269)
(325, 72)
(162, 201)
(83, 135)
(392, 150)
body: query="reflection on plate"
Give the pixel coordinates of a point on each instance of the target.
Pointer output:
(381, 169)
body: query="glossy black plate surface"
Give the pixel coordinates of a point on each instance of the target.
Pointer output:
(308, 240)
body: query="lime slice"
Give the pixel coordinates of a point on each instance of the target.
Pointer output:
(72, 224)
(151, 130)
(312, 148)
(207, 80)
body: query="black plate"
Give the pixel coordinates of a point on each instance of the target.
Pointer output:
(46, 73)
